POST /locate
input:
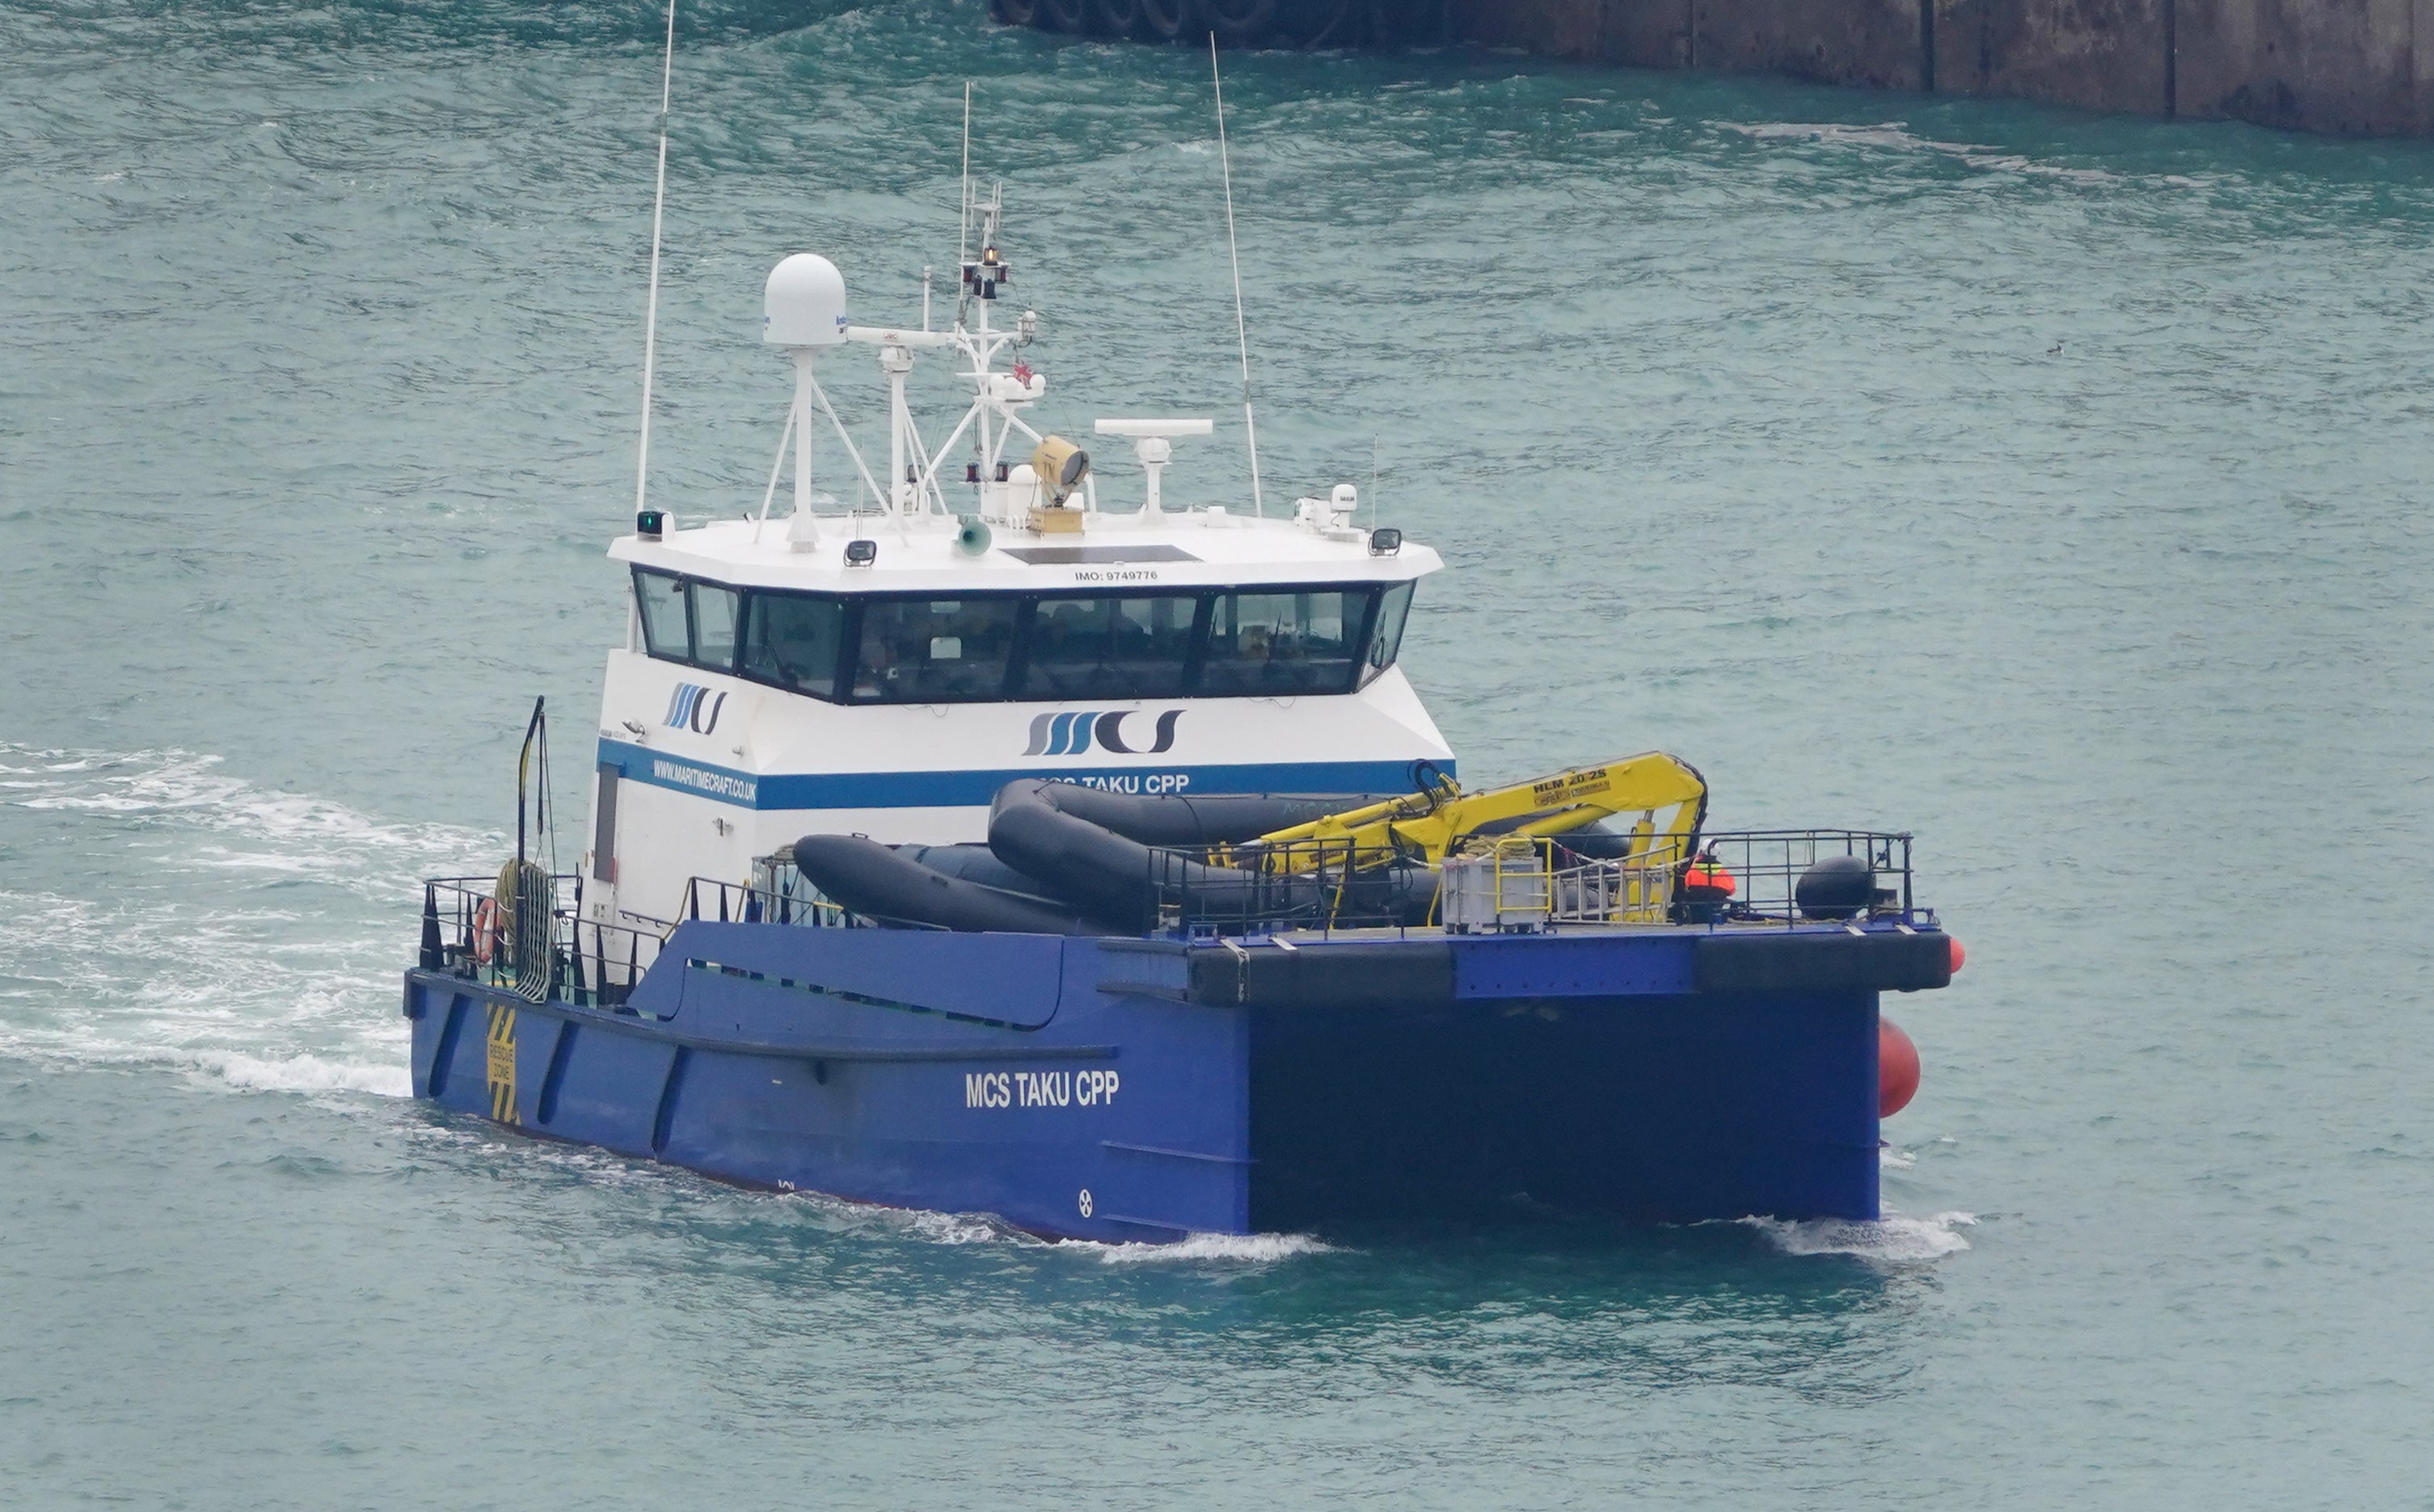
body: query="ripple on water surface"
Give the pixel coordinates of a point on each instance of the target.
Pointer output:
(2044, 483)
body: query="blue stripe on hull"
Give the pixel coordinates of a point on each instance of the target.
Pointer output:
(975, 789)
(865, 1063)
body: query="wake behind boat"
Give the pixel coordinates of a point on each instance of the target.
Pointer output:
(1013, 841)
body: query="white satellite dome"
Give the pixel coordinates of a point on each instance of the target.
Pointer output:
(804, 303)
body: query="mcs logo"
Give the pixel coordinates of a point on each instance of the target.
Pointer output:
(1072, 733)
(696, 709)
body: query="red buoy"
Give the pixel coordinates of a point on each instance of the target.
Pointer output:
(1959, 956)
(1896, 1065)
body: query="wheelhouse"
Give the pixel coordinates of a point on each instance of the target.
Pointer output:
(1048, 645)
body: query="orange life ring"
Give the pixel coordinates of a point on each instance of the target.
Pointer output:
(485, 930)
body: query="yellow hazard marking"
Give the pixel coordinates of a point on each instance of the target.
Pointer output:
(502, 1064)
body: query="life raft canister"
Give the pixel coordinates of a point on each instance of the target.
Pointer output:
(1706, 880)
(1704, 889)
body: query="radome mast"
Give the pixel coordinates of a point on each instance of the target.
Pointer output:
(1242, 331)
(651, 314)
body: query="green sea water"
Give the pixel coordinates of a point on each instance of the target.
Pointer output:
(2052, 485)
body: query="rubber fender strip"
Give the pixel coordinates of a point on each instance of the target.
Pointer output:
(1410, 973)
(1772, 961)
(882, 1053)
(842, 995)
(1163, 991)
(1176, 1154)
(649, 1029)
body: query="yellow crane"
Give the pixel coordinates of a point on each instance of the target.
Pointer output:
(1426, 824)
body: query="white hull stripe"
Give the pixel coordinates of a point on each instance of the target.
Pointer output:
(974, 790)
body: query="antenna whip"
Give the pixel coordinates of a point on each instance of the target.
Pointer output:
(651, 319)
(1242, 332)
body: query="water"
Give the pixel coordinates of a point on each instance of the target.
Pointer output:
(2048, 484)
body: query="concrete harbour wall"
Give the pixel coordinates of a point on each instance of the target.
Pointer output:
(2360, 66)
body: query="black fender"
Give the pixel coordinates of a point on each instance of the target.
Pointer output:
(873, 880)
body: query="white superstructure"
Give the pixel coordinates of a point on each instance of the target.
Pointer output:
(885, 669)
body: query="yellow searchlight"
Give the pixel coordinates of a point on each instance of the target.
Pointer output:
(1061, 466)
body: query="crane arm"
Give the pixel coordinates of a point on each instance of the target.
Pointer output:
(1433, 821)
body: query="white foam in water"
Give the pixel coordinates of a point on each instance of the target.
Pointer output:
(984, 1228)
(1892, 135)
(943, 1228)
(1236, 1248)
(306, 1073)
(264, 959)
(182, 789)
(1894, 1239)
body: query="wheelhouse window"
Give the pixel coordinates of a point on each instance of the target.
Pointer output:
(713, 625)
(687, 620)
(1282, 643)
(662, 599)
(1386, 637)
(1276, 643)
(795, 640)
(1101, 647)
(934, 651)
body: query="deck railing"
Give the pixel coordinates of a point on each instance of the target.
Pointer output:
(1529, 883)
(555, 951)
(1767, 866)
(1321, 885)
(791, 900)
(1500, 884)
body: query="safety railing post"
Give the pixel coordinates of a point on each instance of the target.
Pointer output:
(431, 954)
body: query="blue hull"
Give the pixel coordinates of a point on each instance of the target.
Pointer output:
(1142, 1090)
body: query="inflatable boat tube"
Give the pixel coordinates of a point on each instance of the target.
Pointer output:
(1596, 842)
(868, 879)
(1106, 853)
(1226, 819)
(1060, 833)
(978, 863)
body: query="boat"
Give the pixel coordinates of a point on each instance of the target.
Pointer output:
(1009, 839)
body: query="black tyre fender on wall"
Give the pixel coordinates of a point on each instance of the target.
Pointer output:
(1118, 18)
(1015, 12)
(1063, 16)
(1170, 19)
(1240, 23)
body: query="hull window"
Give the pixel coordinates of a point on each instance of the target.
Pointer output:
(1108, 648)
(1280, 644)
